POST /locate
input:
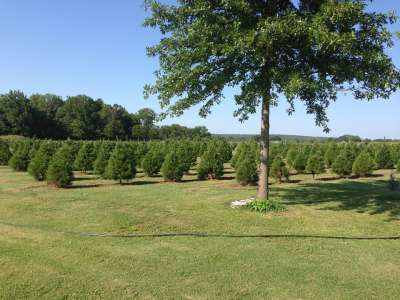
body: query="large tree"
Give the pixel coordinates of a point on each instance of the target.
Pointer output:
(81, 118)
(307, 50)
(16, 114)
(45, 108)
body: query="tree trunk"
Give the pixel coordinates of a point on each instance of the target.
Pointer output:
(263, 190)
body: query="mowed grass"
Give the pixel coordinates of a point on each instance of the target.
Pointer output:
(43, 253)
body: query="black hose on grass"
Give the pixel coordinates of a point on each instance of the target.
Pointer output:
(202, 235)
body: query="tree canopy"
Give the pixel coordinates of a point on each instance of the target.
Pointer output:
(82, 117)
(307, 50)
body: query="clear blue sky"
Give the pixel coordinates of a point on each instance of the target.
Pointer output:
(97, 47)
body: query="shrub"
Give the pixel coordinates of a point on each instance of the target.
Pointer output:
(398, 166)
(266, 206)
(20, 159)
(86, 156)
(278, 169)
(152, 161)
(121, 166)
(211, 165)
(40, 162)
(364, 164)
(247, 170)
(100, 164)
(5, 153)
(383, 158)
(315, 164)
(173, 167)
(60, 170)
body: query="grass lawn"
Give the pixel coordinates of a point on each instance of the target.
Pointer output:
(42, 254)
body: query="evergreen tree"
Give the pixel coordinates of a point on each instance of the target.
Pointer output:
(315, 164)
(20, 158)
(103, 156)
(222, 147)
(383, 158)
(278, 169)
(240, 148)
(331, 154)
(343, 163)
(291, 156)
(60, 170)
(364, 164)
(247, 170)
(185, 153)
(121, 166)
(395, 152)
(5, 153)
(153, 160)
(40, 162)
(211, 164)
(86, 156)
(173, 167)
(300, 162)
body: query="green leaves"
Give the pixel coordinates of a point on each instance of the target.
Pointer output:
(307, 51)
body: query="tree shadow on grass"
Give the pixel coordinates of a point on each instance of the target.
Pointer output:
(142, 182)
(373, 197)
(84, 178)
(83, 186)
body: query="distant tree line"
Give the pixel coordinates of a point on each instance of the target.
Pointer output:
(82, 118)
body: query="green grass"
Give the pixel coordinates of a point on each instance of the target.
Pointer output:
(42, 257)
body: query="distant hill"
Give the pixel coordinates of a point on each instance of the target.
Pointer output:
(274, 137)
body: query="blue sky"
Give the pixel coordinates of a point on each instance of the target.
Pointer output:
(97, 47)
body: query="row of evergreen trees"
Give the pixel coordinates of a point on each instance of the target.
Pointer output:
(55, 161)
(344, 159)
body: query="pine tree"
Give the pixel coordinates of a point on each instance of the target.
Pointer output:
(364, 164)
(343, 163)
(173, 167)
(211, 164)
(331, 154)
(383, 158)
(5, 153)
(60, 170)
(121, 166)
(152, 161)
(237, 153)
(278, 169)
(34, 147)
(224, 149)
(291, 156)
(185, 153)
(40, 162)
(300, 162)
(247, 170)
(103, 156)
(86, 157)
(20, 158)
(315, 164)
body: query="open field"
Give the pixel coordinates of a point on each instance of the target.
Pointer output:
(45, 254)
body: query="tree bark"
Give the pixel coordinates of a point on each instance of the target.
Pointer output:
(263, 190)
